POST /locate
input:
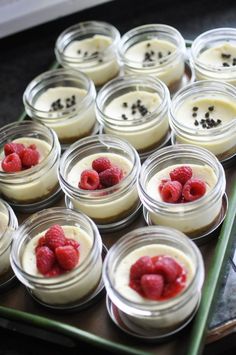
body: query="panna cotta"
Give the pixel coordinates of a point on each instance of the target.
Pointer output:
(204, 114)
(156, 50)
(154, 275)
(136, 109)
(64, 101)
(187, 195)
(106, 193)
(59, 257)
(91, 48)
(214, 55)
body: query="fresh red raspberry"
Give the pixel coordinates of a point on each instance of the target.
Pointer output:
(72, 242)
(181, 174)
(171, 191)
(89, 180)
(29, 157)
(101, 164)
(55, 237)
(56, 270)
(11, 163)
(168, 268)
(152, 286)
(162, 183)
(142, 266)
(67, 257)
(41, 243)
(32, 146)
(45, 259)
(111, 177)
(17, 148)
(193, 189)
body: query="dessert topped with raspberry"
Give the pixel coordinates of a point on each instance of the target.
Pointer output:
(22, 154)
(99, 171)
(153, 273)
(56, 251)
(182, 183)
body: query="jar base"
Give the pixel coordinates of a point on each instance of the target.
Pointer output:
(156, 335)
(80, 304)
(113, 226)
(207, 235)
(187, 78)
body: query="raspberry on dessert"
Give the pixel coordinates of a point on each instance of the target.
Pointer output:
(55, 237)
(181, 174)
(10, 148)
(152, 286)
(193, 189)
(168, 268)
(12, 163)
(142, 266)
(101, 164)
(111, 177)
(89, 180)
(45, 259)
(56, 270)
(72, 242)
(29, 157)
(171, 191)
(32, 146)
(163, 181)
(67, 257)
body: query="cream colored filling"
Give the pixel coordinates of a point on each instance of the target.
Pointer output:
(217, 55)
(5, 236)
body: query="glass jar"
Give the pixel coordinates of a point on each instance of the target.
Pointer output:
(148, 318)
(220, 63)
(168, 67)
(220, 139)
(193, 218)
(146, 132)
(90, 47)
(72, 288)
(112, 207)
(8, 223)
(70, 123)
(31, 189)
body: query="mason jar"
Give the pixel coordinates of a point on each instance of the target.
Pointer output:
(90, 47)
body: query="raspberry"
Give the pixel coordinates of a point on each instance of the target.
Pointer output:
(55, 237)
(72, 242)
(56, 270)
(168, 268)
(142, 266)
(111, 177)
(193, 189)
(181, 174)
(89, 180)
(45, 259)
(67, 257)
(17, 148)
(11, 163)
(163, 181)
(41, 243)
(152, 286)
(101, 164)
(32, 146)
(171, 191)
(29, 157)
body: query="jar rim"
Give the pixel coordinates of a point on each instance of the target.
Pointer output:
(11, 222)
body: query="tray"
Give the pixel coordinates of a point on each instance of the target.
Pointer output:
(93, 326)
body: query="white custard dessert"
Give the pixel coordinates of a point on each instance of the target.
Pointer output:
(60, 101)
(35, 186)
(4, 243)
(222, 55)
(132, 112)
(104, 206)
(75, 290)
(153, 54)
(93, 58)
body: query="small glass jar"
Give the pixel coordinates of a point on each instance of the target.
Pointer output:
(8, 223)
(112, 207)
(221, 139)
(37, 187)
(73, 288)
(193, 218)
(147, 318)
(168, 67)
(146, 132)
(223, 65)
(90, 47)
(70, 123)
